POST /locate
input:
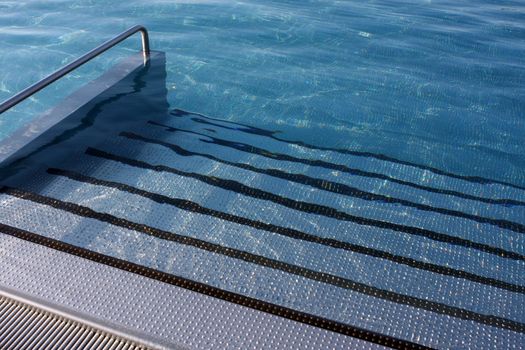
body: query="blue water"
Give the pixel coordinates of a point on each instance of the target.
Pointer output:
(438, 83)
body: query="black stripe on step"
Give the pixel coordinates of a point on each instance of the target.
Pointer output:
(310, 208)
(243, 147)
(490, 320)
(271, 134)
(288, 232)
(205, 289)
(322, 184)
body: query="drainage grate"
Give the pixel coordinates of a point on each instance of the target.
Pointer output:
(24, 326)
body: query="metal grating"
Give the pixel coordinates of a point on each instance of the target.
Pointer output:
(24, 326)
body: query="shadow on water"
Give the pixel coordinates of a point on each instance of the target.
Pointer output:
(142, 91)
(129, 102)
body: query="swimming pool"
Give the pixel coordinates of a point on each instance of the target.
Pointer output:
(361, 163)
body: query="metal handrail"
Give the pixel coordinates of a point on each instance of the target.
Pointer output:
(22, 95)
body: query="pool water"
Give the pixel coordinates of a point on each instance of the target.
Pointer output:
(438, 83)
(360, 162)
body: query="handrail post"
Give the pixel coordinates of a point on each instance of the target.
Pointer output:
(145, 43)
(27, 92)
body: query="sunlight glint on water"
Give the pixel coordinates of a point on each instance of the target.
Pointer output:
(435, 83)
